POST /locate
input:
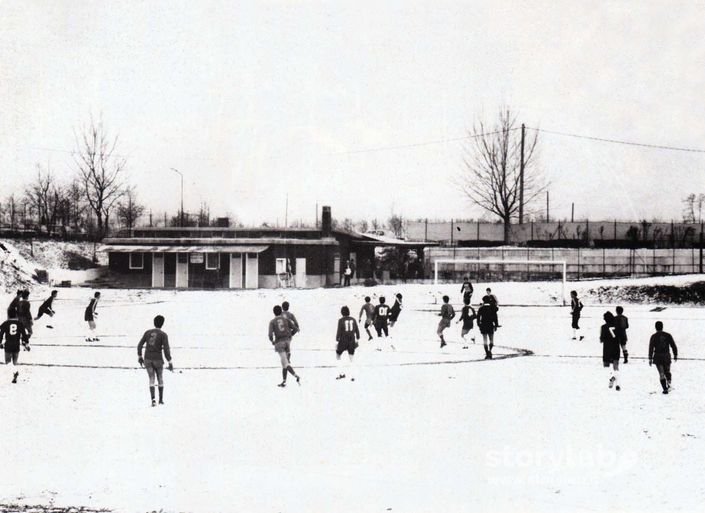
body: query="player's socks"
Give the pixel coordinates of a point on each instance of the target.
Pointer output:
(284, 371)
(161, 395)
(626, 355)
(151, 392)
(15, 376)
(443, 341)
(612, 379)
(664, 385)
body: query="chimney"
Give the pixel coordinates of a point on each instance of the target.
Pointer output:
(326, 222)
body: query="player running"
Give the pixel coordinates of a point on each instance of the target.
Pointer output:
(380, 317)
(487, 323)
(24, 312)
(369, 310)
(396, 310)
(89, 316)
(660, 345)
(467, 315)
(466, 290)
(576, 306)
(621, 325)
(13, 332)
(157, 342)
(281, 329)
(347, 336)
(610, 349)
(46, 307)
(447, 314)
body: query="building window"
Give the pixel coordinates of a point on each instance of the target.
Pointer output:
(212, 260)
(281, 265)
(136, 260)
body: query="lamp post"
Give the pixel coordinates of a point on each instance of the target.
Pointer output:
(181, 216)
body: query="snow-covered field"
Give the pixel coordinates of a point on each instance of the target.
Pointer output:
(419, 430)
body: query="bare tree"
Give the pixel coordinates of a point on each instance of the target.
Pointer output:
(490, 177)
(363, 226)
(100, 170)
(45, 197)
(129, 210)
(395, 224)
(204, 214)
(689, 208)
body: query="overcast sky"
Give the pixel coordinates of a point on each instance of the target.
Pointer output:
(357, 105)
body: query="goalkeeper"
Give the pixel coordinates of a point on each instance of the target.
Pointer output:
(157, 342)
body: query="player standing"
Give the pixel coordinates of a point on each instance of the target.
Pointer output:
(610, 349)
(13, 331)
(380, 317)
(89, 316)
(493, 301)
(157, 342)
(447, 314)
(24, 312)
(576, 306)
(12, 307)
(347, 336)
(466, 290)
(46, 307)
(395, 311)
(487, 323)
(467, 315)
(369, 309)
(281, 329)
(621, 325)
(660, 345)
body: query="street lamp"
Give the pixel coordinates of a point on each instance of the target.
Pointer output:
(181, 217)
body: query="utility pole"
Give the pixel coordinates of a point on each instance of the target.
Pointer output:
(548, 218)
(286, 212)
(521, 178)
(572, 211)
(181, 217)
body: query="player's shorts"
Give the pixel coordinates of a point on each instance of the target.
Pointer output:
(283, 346)
(345, 346)
(154, 364)
(464, 331)
(608, 363)
(443, 324)
(91, 324)
(368, 323)
(574, 324)
(11, 356)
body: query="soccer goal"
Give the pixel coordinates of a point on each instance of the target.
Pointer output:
(488, 270)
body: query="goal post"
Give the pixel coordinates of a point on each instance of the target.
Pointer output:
(465, 266)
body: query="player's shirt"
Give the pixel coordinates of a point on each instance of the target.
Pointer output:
(575, 306)
(381, 314)
(157, 342)
(447, 312)
(348, 332)
(621, 324)
(467, 317)
(13, 332)
(90, 309)
(610, 345)
(24, 309)
(46, 305)
(487, 318)
(292, 318)
(396, 310)
(281, 329)
(369, 310)
(659, 345)
(493, 301)
(466, 290)
(12, 308)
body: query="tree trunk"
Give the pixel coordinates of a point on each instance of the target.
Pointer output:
(507, 225)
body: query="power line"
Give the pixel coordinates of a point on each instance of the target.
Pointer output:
(617, 141)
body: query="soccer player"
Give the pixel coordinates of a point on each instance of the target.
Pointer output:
(24, 312)
(347, 336)
(281, 329)
(12, 307)
(380, 317)
(610, 349)
(46, 307)
(576, 306)
(621, 325)
(493, 302)
(90, 314)
(466, 290)
(396, 310)
(369, 309)
(157, 342)
(447, 314)
(467, 315)
(13, 331)
(289, 315)
(487, 323)
(660, 345)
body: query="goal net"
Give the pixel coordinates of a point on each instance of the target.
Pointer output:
(452, 270)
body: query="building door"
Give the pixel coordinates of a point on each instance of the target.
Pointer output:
(235, 271)
(181, 270)
(336, 269)
(157, 270)
(252, 271)
(301, 273)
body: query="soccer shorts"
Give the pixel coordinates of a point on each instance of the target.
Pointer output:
(346, 346)
(11, 356)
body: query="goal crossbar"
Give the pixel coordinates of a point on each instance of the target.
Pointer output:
(497, 261)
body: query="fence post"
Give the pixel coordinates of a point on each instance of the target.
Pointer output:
(701, 248)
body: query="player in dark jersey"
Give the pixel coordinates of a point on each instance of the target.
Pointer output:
(281, 329)
(447, 314)
(347, 336)
(621, 325)
(467, 315)
(380, 317)
(46, 307)
(487, 323)
(466, 290)
(12, 307)
(289, 315)
(24, 312)
(610, 349)
(369, 309)
(395, 311)
(13, 332)
(89, 316)
(660, 346)
(576, 306)
(157, 342)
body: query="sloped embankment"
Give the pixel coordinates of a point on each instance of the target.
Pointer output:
(691, 293)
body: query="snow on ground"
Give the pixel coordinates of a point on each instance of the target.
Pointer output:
(419, 430)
